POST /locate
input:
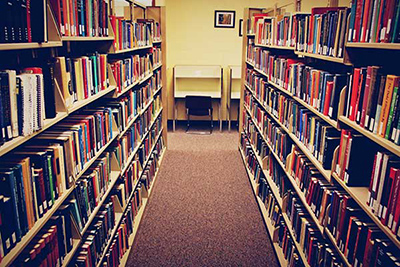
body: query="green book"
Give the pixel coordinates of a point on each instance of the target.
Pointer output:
(50, 172)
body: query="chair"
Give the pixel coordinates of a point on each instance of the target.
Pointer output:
(199, 106)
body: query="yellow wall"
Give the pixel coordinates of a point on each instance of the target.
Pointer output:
(193, 40)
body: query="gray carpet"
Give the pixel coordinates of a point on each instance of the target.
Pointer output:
(202, 211)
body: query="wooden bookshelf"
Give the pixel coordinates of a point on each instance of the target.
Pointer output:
(278, 199)
(383, 142)
(103, 43)
(86, 38)
(390, 46)
(320, 57)
(156, 67)
(338, 251)
(139, 216)
(128, 50)
(275, 46)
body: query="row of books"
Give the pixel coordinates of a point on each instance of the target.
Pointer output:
(275, 31)
(81, 18)
(373, 21)
(157, 56)
(133, 103)
(130, 34)
(318, 137)
(25, 102)
(372, 102)
(383, 190)
(23, 22)
(133, 136)
(321, 32)
(81, 77)
(91, 187)
(156, 30)
(318, 88)
(131, 70)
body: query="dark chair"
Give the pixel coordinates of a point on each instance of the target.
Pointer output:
(199, 106)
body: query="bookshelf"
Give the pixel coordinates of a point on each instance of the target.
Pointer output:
(64, 113)
(258, 116)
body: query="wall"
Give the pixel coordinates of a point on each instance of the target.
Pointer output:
(193, 40)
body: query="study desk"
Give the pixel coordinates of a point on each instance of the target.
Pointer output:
(198, 72)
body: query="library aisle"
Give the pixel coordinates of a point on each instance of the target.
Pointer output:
(202, 210)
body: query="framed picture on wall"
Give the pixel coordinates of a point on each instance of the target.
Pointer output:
(240, 27)
(224, 19)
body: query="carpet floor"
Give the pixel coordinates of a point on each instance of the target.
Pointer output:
(202, 211)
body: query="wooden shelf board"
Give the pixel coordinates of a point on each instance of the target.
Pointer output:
(75, 246)
(127, 50)
(360, 195)
(157, 42)
(146, 78)
(321, 57)
(331, 122)
(79, 104)
(86, 38)
(280, 88)
(98, 154)
(156, 67)
(275, 46)
(390, 146)
(16, 251)
(15, 142)
(394, 46)
(17, 46)
(251, 64)
(250, 34)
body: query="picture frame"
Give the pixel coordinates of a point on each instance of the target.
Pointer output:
(224, 19)
(240, 27)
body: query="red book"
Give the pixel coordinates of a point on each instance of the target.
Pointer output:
(42, 192)
(28, 20)
(354, 93)
(366, 96)
(393, 198)
(78, 27)
(89, 30)
(102, 78)
(365, 20)
(84, 72)
(357, 22)
(386, 210)
(388, 20)
(378, 27)
(329, 88)
(396, 213)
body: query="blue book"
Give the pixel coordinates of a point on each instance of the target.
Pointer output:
(8, 188)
